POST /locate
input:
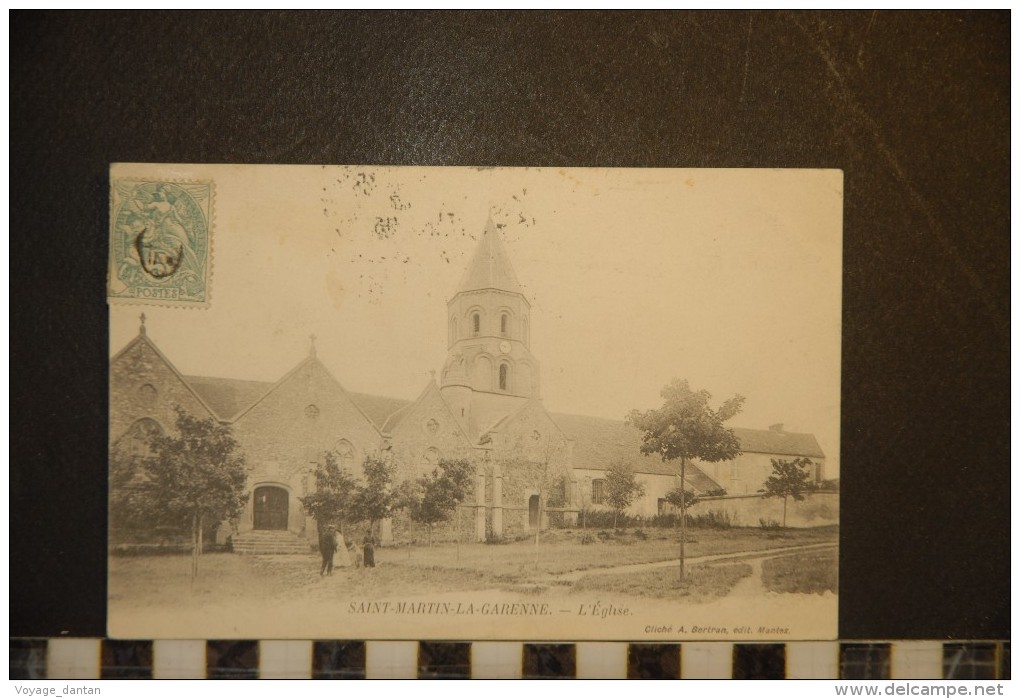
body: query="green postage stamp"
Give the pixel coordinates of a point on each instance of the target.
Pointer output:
(160, 242)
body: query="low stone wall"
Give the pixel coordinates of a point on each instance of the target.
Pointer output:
(815, 510)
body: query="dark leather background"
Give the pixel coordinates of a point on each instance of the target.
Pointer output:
(914, 107)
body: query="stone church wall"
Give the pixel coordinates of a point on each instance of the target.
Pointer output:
(425, 435)
(142, 385)
(285, 435)
(460, 527)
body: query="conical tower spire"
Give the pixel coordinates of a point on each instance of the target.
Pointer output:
(490, 266)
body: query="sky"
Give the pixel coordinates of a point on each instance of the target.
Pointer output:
(730, 279)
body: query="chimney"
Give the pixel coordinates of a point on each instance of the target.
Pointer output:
(777, 428)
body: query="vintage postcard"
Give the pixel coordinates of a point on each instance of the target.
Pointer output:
(474, 403)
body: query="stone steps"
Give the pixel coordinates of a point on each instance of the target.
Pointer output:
(261, 542)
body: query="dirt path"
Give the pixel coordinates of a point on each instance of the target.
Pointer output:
(755, 555)
(752, 585)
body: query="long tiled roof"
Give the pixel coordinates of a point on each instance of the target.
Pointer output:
(599, 442)
(773, 442)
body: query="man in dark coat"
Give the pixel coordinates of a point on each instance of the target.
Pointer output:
(369, 550)
(327, 547)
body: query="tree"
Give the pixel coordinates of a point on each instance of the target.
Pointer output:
(681, 498)
(788, 479)
(522, 454)
(622, 488)
(686, 428)
(333, 501)
(437, 494)
(550, 451)
(193, 478)
(376, 498)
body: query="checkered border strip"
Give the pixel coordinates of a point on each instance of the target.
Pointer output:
(87, 658)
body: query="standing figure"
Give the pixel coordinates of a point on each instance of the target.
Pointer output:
(327, 547)
(369, 553)
(355, 553)
(341, 559)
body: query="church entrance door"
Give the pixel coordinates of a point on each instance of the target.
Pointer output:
(533, 511)
(271, 507)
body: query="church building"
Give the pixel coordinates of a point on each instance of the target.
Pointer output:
(534, 468)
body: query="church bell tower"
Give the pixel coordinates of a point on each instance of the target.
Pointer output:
(489, 333)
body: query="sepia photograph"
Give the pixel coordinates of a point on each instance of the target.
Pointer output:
(474, 403)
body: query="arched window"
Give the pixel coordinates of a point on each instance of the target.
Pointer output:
(476, 323)
(504, 325)
(430, 459)
(504, 377)
(148, 395)
(597, 491)
(344, 454)
(137, 438)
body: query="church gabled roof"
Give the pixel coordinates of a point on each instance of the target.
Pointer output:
(512, 415)
(228, 397)
(310, 361)
(396, 420)
(490, 266)
(143, 340)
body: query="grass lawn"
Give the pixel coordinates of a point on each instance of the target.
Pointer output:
(145, 580)
(702, 583)
(812, 572)
(561, 550)
(165, 580)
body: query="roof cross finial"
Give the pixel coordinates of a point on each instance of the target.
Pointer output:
(311, 349)
(141, 327)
